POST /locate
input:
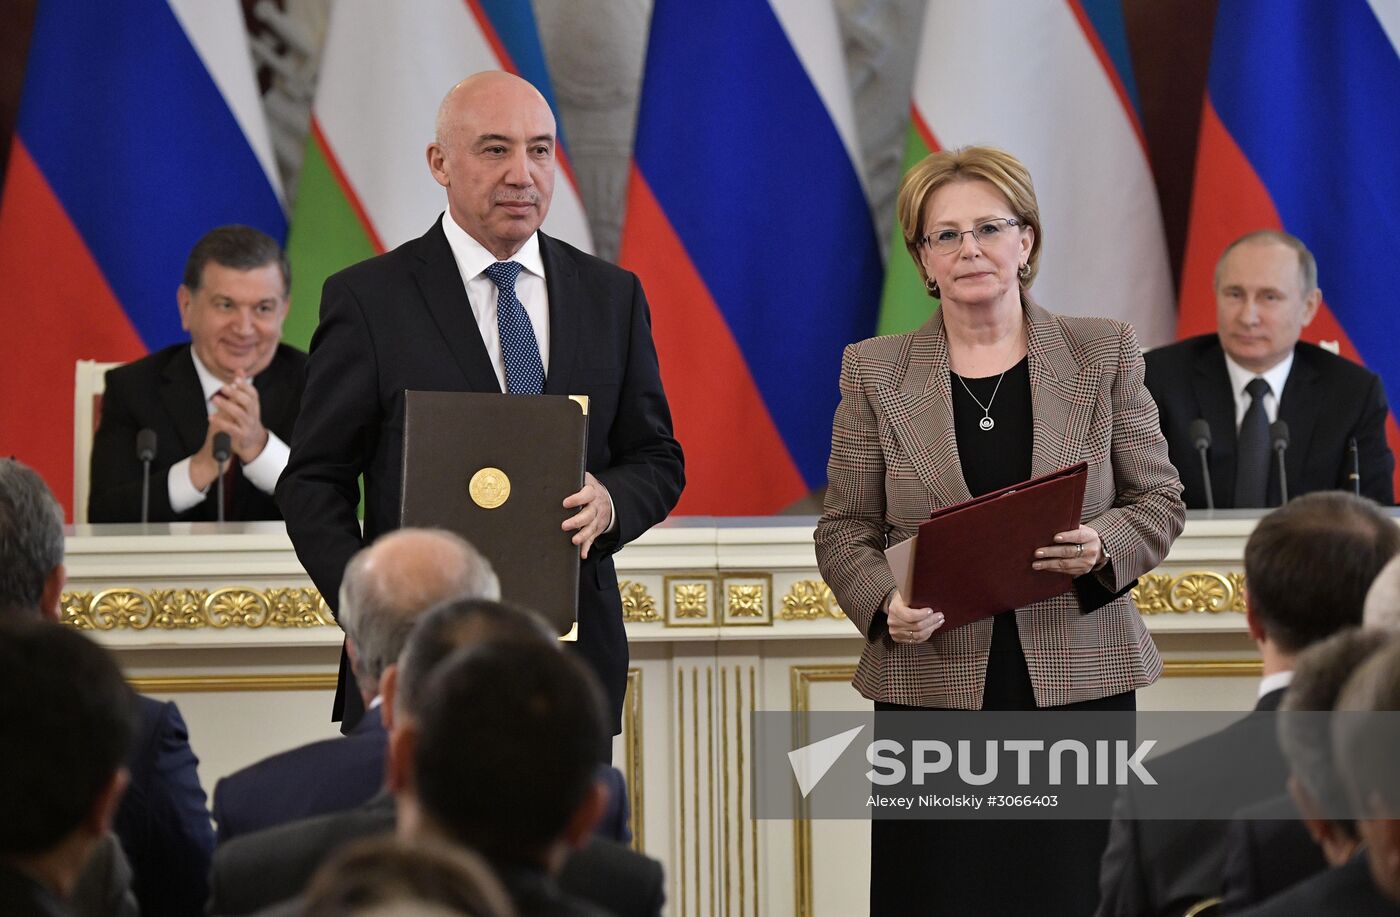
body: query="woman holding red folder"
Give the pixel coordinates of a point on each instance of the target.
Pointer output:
(991, 391)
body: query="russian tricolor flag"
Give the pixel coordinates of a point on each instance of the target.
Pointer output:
(365, 186)
(139, 129)
(748, 223)
(1301, 132)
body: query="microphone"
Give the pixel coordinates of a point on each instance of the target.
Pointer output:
(1355, 475)
(1200, 438)
(1278, 432)
(145, 453)
(223, 447)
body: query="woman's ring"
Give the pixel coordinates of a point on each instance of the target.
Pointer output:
(1079, 549)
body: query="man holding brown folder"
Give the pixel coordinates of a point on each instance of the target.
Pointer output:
(484, 302)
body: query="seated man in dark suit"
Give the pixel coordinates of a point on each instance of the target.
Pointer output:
(387, 586)
(1308, 565)
(162, 820)
(1282, 841)
(1367, 883)
(258, 870)
(66, 720)
(1254, 371)
(233, 377)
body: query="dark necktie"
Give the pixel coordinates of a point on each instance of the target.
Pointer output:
(520, 352)
(1252, 455)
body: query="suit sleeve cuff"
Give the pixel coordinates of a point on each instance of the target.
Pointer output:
(264, 470)
(182, 493)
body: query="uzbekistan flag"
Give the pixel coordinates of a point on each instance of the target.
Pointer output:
(1050, 82)
(749, 226)
(1301, 132)
(139, 129)
(365, 186)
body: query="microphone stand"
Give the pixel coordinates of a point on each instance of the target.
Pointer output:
(145, 490)
(1205, 476)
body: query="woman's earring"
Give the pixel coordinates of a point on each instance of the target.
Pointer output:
(1024, 272)
(932, 286)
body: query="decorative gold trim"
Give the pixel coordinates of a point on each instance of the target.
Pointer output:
(710, 778)
(632, 756)
(680, 786)
(193, 609)
(802, 677)
(810, 600)
(1212, 668)
(753, 822)
(638, 606)
(201, 684)
(724, 777)
(691, 599)
(1199, 591)
(747, 597)
(700, 831)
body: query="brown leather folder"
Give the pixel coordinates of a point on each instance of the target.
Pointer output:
(973, 560)
(495, 469)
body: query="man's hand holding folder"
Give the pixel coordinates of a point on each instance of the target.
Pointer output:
(991, 554)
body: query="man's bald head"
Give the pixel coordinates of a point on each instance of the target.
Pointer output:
(389, 584)
(493, 152)
(1382, 608)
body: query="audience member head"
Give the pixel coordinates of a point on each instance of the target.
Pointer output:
(503, 754)
(390, 584)
(447, 628)
(393, 877)
(1319, 674)
(1308, 565)
(233, 300)
(1265, 295)
(66, 722)
(31, 544)
(1364, 741)
(1382, 608)
(494, 152)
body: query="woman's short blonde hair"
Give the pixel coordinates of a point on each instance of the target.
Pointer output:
(970, 163)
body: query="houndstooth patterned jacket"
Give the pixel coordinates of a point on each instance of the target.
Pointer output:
(894, 459)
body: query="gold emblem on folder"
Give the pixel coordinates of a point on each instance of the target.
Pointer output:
(489, 488)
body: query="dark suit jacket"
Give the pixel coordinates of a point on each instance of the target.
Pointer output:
(162, 821)
(259, 870)
(402, 321)
(894, 459)
(1326, 402)
(1348, 890)
(1155, 867)
(328, 776)
(1268, 849)
(161, 391)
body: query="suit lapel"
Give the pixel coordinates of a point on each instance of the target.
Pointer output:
(1058, 395)
(1298, 407)
(440, 283)
(565, 305)
(1216, 400)
(183, 399)
(920, 413)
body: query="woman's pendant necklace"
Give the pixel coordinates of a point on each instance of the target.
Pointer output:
(986, 423)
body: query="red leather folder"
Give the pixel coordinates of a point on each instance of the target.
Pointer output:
(973, 560)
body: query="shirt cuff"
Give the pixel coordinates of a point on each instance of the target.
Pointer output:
(264, 470)
(183, 494)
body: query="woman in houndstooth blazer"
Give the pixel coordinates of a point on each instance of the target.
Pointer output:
(992, 390)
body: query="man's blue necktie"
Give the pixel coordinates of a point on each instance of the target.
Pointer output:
(519, 350)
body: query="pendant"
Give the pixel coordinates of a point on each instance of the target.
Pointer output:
(986, 423)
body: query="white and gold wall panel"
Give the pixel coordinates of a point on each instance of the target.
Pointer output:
(723, 620)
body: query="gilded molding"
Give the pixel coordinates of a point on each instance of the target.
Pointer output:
(632, 757)
(638, 606)
(1200, 591)
(691, 599)
(204, 684)
(195, 609)
(802, 678)
(810, 600)
(746, 600)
